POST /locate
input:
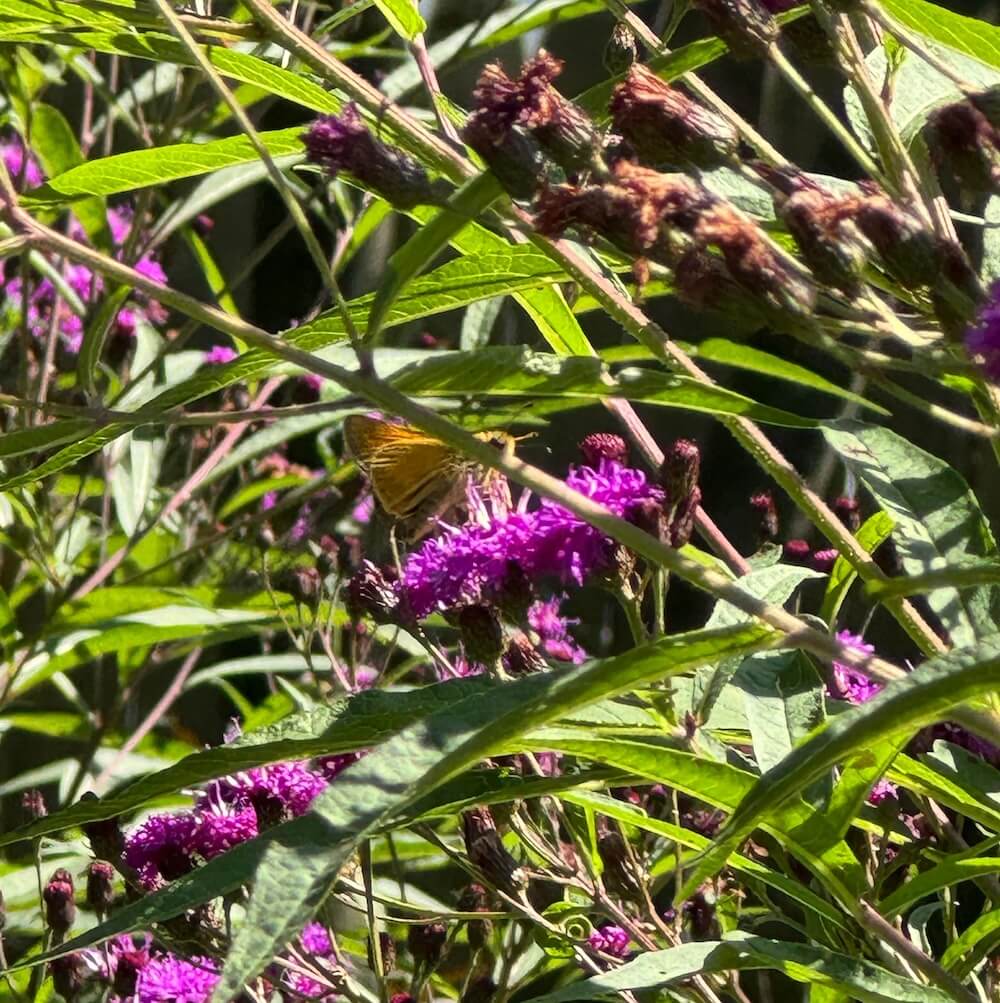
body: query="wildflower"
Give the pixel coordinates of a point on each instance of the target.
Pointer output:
(369, 593)
(848, 511)
(169, 979)
(767, 527)
(746, 26)
(426, 943)
(467, 565)
(20, 163)
(513, 156)
(603, 446)
(882, 791)
(850, 684)
(824, 560)
(666, 126)
(100, 886)
(289, 788)
(983, 339)
(345, 143)
(961, 138)
(163, 848)
(610, 939)
(219, 355)
(553, 630)
(60, 906)
(796, 552)
(909, 251)
(223, 828)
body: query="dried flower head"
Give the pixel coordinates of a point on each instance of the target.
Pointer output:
(603, 446)
(767, 514)
(909, 251)
(60, 905)
(746, 26)
(796, 552)
(100, 886)
(666, 126)
(963, 141)
(345, 143)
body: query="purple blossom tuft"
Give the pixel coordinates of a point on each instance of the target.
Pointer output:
(851, 685)
(163, 847)
(883, 790)
(553, 629)
(611, 940)
(169, 979)
(315, 940)
(218, 355)
(293, 786)
(984, 338)
(467, 565)
(21, 165)
(222, 830)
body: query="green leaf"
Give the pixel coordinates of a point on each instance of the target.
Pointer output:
(732, 353)
(125, 172)
(938, 522)
(990, 270)
(932, 779)
(950, 871)
(95, 335)
(403, 16)
(740, 951)
(922, 697)
(293, 880)
(972, 945)
(421, 249)
(963, 575)
(870, 536)
(971, 35)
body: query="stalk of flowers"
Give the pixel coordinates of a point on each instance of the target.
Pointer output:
(43, 304)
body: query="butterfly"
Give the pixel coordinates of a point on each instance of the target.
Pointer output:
(411, 473)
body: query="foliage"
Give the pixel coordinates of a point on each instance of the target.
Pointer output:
(297, 704)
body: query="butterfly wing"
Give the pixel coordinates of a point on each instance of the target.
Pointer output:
(406, 468)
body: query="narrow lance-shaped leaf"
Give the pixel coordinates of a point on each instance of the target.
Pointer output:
(904, 706)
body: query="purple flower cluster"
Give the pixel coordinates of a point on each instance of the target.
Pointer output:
(315, 943)
(468, 565)
(849, 684)
(231, 811)
(613, 940)
(553, 631)
(983, 339)
(39, 298)
(169, 979)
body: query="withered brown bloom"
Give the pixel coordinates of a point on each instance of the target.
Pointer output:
(666, 126)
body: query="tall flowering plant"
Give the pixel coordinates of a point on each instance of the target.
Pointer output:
(689, 691)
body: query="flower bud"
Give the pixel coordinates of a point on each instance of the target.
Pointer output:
(767, 513)
(515, 595)
(387, 951)
(127, 968)
(487, 852)
(746, 26)
(665, 126)
(476, 899)
(67, 976)
(100, 886)
(426, 943)
(60, 906)
(679, 477)
(648, 515)
(621, 51)
(401, 998)
(302, 583)
(702, 282)
(957, 290)
(603, 446)
(482, 634)
(961, 139)
(33, 805)
(824, 560)
(796, 552)
(619, 872)
(909, 251)
(700, 912)
(344, 143)
(848, 511)
(514, 156)
(369, 594)
(479, 990)
(561, 128)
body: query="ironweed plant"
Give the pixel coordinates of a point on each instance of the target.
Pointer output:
(415, 652)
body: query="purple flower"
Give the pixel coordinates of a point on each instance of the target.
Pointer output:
(151, 269)
(364, 509)
(269, 500)
(849, 684)
(315, 940)
(984, 338)
(882, 790)
(553, 629)
(120, 223)
(464, 566)
(21, 165)
(163, 847)
(611, 940)
(222, 830)
(218, 355)
(169, 979)
(291, 787)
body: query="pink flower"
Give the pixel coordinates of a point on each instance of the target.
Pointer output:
(218, 355)
(850, 684)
